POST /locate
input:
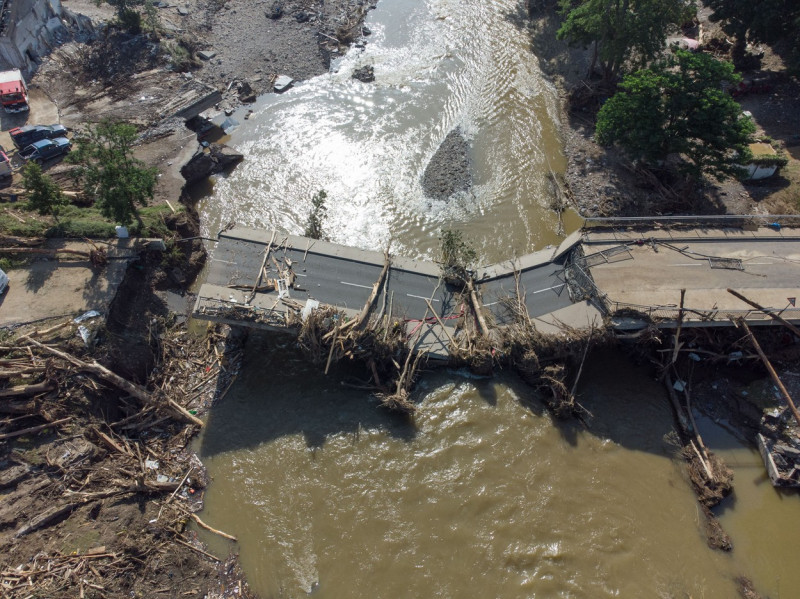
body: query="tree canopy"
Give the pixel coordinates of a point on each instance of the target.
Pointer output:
(621, 30)
(110, 173)
(44, 195)
(678, 106)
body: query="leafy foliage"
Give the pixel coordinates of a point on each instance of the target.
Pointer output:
(458, 256)
(621, 29)
(109, 173)
(44, 195)
(678, 106)
(319, 212)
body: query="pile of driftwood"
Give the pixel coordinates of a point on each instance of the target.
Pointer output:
(545, 361)
(97, 441)
(372, 336)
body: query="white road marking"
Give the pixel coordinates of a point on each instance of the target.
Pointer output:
(356, 285)
(223, 261)
(549, 288)
(420, 297)
(299, 275)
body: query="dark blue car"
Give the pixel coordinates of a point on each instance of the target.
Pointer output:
(46, 149)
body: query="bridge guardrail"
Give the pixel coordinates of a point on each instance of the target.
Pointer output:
(671, 312)
(719, 220)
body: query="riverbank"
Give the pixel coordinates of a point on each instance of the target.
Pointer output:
(99, 485)
(603, 182)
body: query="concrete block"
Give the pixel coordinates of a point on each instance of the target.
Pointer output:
(206, 54)
(283, 83)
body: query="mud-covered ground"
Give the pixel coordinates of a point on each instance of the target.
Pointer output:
(603, 181)
(98, 487)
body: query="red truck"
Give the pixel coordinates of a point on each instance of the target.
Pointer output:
(13, 91)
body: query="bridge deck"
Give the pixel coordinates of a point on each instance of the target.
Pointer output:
(763, 265)
(623, 270)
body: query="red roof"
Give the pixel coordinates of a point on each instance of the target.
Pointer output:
(11, 87)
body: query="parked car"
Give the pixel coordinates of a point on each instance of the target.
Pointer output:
(46, 149)
(25, 136)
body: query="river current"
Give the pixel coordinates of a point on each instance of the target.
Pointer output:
(483, 494)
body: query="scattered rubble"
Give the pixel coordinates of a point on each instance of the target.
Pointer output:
(215, 158)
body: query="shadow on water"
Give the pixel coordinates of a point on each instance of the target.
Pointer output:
(280, 393)
(627, 405)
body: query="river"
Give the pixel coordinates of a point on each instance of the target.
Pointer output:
(438, 66)
(483, 495)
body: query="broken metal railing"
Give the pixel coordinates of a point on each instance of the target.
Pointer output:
(217, 308)
(721, 220)
(670, 312)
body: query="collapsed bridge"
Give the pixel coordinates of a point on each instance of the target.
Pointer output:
(630, 275)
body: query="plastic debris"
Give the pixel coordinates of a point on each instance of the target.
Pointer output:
(86, 316)
(679, 385)
(85, 334)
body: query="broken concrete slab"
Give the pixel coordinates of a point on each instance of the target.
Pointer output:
(283, 83)
(206, 54)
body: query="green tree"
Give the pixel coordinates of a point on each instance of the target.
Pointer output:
(319, 212)
(621, 30)
(458, 256)
(109, 173)
(127, 15)
(759, 20)
(678, 106)
(44, 195)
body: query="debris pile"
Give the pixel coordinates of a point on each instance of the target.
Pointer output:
(98, 484)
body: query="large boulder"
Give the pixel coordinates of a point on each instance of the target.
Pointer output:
(208, 161)
(449, 169)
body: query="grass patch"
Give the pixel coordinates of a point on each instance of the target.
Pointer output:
(79, 222)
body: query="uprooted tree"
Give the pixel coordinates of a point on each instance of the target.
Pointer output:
(109, 173)
(678, 107)
(316, 218)
(457, 256)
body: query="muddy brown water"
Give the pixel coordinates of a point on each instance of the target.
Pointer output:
(484, 495)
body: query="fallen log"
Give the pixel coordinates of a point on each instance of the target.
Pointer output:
(476, 308)
(46, 517)
(19, 407)
(104, 373)
(34, 429)
(778, 383)
(27, 390)
(202, 524)
(766, 311)
(362, 317)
